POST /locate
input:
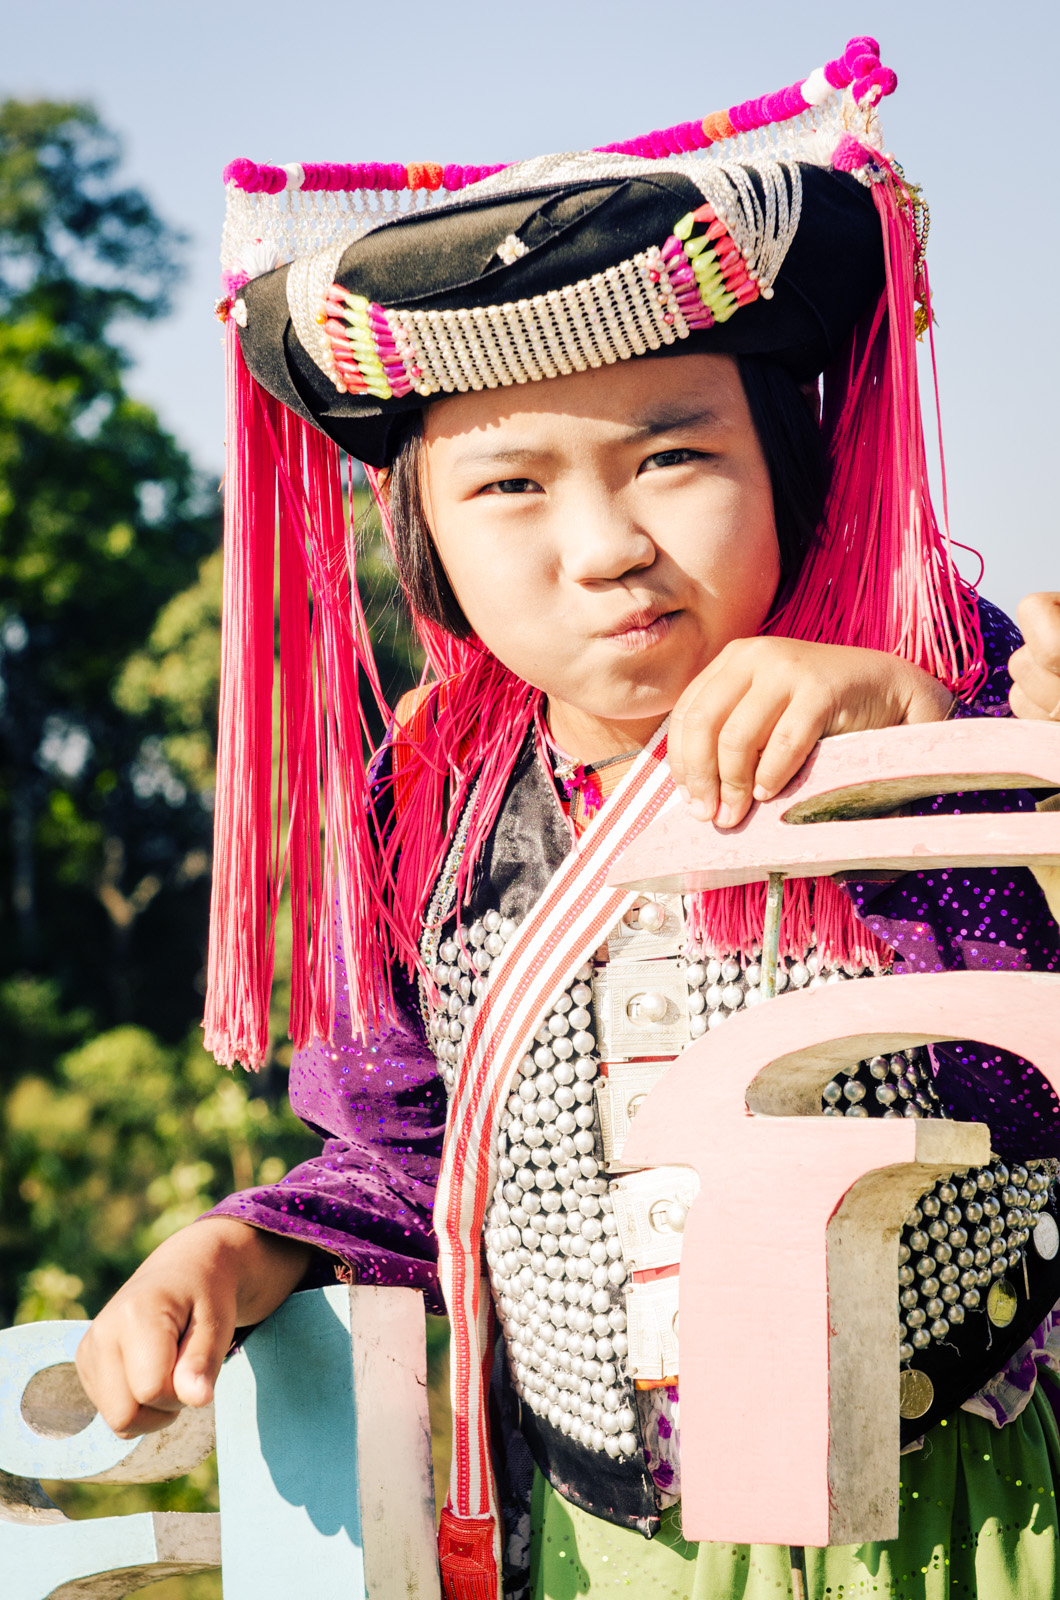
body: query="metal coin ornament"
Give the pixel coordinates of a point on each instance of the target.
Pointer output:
(916, 1395)
(1001, 1303)
(1046, 1237)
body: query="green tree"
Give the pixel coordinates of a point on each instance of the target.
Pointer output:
(102, 518)
(104, 847)
(115, 1127)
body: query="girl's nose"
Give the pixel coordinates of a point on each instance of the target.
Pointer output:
(602, 541)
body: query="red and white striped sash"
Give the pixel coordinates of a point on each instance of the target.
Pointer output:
(567, 925)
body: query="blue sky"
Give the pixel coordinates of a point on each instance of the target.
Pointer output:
(191, 84)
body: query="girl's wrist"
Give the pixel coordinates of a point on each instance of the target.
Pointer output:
(264, 1267)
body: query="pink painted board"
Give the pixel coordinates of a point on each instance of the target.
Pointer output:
(880, 769)
(789, 1360)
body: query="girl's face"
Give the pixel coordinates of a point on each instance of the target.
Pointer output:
(607, 533)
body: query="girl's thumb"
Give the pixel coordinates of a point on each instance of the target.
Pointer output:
(203, 1349)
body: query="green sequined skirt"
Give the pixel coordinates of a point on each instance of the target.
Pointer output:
(978, 1518)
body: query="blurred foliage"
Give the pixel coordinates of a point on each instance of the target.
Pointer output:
(116, 1128)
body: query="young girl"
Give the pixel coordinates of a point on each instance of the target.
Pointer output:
(618, 495)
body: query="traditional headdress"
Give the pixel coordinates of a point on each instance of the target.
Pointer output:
(355, 294)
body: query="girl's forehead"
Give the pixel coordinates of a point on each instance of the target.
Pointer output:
(647, 394)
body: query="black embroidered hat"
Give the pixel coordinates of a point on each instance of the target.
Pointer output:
(562, 264)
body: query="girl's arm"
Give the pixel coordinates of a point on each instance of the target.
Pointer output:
(363, 1205)
(159, 1344)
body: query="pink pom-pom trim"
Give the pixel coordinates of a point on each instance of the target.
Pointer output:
(849, 155)
(253, 179)
(332, 176)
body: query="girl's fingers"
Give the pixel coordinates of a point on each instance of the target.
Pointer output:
(1027, 709)
(149, 1351)
(145, 1419)
(794, 735)
(102, 1375)
(1039, 620)
(103, 1367)
(740, 744)
(751, 752)
(698, 719)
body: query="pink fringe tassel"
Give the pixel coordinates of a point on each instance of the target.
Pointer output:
(239, 972)
(284, 479)
(882, 577)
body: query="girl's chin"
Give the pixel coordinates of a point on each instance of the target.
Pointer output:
(635, 703)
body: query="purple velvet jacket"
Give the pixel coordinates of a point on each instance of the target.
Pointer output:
(380, 1106)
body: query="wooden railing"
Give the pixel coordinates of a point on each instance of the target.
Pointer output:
(323, 1456)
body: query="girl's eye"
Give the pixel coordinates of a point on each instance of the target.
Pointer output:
(671, 458)
(512, 486)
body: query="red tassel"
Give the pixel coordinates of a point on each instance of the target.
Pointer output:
(466, 1550)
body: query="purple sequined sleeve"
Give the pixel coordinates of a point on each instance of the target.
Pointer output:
(367, 1198)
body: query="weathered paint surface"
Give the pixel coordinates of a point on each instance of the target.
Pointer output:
(324, 1452)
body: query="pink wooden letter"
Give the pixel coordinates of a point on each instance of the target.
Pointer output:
(789, 1358)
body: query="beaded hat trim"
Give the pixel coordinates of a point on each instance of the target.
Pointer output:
(719, 257)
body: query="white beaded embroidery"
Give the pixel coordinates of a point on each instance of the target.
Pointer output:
(597, 321)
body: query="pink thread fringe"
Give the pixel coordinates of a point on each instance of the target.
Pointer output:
(239, 971)
(285, 477)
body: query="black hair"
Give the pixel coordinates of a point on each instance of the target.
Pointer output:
(784, 416)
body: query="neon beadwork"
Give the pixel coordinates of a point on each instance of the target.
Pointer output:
(695, 280)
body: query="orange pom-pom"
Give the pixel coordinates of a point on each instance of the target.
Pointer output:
(717, 126)
(424, 175)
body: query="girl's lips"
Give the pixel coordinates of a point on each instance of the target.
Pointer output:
(642, 631)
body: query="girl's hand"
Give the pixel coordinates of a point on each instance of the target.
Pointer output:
(159, 1344)
(1035, 668)
(745, 725)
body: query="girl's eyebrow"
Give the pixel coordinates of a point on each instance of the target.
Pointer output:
(649, 427)
(673, 421)
(502, 456)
